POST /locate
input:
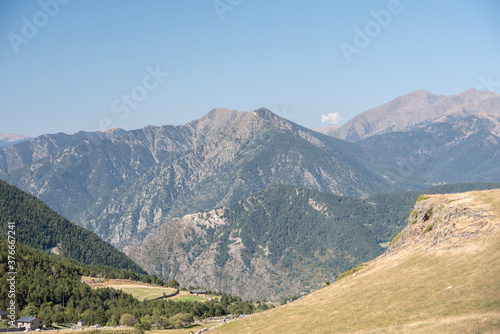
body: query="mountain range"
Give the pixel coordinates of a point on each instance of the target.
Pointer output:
(7, 139)
(167, 195)
(121, 186)
(416, 109)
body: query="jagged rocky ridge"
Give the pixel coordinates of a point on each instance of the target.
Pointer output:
(123, 186)
(416, 109)
(127, 186)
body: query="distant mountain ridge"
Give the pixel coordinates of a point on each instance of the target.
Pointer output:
(464, 150)
(123, 186)
(327, 130)
(8, 139)
(418, 108)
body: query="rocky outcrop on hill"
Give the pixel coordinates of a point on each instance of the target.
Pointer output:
(446, 223)
(442, 279)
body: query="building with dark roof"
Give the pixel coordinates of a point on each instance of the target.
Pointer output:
(3, 315)
(30, 323)
(200, 293)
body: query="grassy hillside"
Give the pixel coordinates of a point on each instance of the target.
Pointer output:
(51, 287)
(143, 291)
(40, 227)
(139, 290)
(441, 276)
(280, 242)
(385, 214)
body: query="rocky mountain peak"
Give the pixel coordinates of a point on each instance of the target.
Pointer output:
(473, 94)
(419, 97)
(113, 132)
(416, 109)
(266, 114)
(218, 113)
(216, 120)
(420, 93)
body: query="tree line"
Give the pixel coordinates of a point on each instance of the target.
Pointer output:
(51, 287)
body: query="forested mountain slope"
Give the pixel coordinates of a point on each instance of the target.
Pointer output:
(464, 150)
(51, 287)
(279, 242)
(440, 276)
(40, 227)
(124, 186)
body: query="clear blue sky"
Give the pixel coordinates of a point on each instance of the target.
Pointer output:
(285, 55)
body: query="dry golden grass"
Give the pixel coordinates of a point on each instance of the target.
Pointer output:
(407, 292)
(144, 291)
(194, 328)
(139, 290)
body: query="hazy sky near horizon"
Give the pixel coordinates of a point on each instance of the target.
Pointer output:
(77, 65)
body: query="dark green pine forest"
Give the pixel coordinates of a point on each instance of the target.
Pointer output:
(50, 287)
(40, 227)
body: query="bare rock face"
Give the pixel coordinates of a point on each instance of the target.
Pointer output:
(182, 249)
(416, 109)
(124, 184)
(280, 242)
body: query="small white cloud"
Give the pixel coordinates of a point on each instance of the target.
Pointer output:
(332, 118)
